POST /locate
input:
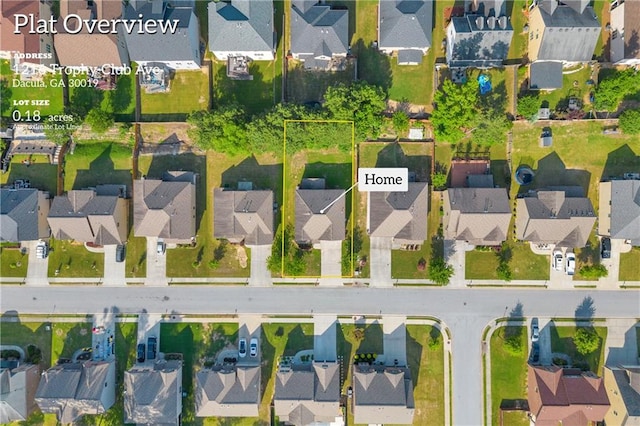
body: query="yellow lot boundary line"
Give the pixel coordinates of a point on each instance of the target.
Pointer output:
(284, 196)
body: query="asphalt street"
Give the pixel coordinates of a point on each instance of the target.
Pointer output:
(465, 312)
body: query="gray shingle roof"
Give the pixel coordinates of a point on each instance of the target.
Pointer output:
(311, 226)
(243, 215)
(628, 383)
(72, 390)
(321, 31)
(241, 25)
(567, 35)
(17, 389)
(625, 210)
(400, 215)
(19, 214)
(382, 395)
(231, 392)
(153, 394)
(165, 208)
(405, 24)
(545, 75)
(471, 45)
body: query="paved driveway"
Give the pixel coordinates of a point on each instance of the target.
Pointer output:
(324, 337)
(621, 347)
(613, 263)
(249, 327)
(114, 272)
(260, 274)
(454, 254)
(394, 340)
(156, 264)
(380, 262)
(331, 259)
(37, 269)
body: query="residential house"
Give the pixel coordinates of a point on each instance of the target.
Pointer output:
(243, 216)
(401, 216)
(562, 217)
(177, 50)
(405, 27)
(623, 389)
(224, 391)
(481, 38)
(98, 216)
(308, 393)
(320, 213)
(319, 33)
(565, 395)
(32, 140)
(479, 216)
(153, 395)
(73, 390)
(619, 212)
(564, 32)
(382, 394)
(624, 38)
(166, 208)
(23, 214)
(24, 41)
(242, 28)
(17, 392)
(84, 48)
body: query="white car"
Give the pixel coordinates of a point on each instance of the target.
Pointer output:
(557, 258)
(535, 331)
(253, 347)
(161, 247)
(42, 251)
(571, 263)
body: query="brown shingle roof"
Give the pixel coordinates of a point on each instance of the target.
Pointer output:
(401, 215)
(23, 42)
(313, 226)
(243, 216)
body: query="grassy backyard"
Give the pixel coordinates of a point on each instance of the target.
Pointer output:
(562, 341)
(39, 172)
(189, 92)
(11, 93)
(96, 164)
(519, 44)
(73, 260)
(12, 262)
(508, 375)
(630, 265)
(121, 101)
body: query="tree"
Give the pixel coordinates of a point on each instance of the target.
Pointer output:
(222, 130)
(61, 134)
(504, 271)
(455, 109)
(439, 181)
(614, 88)
(361, 102)
(440, 272)
(586, 340)
(594, 271)
(630, 121)
(528, 105)
(265, 132)
(99, 120)
(492, 128)
(400, 121)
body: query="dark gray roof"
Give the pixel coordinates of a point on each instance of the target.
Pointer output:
(567, 35)
(401, 215)
(18, 214)
(161, 46)
(628, 381)
(17, 389)
(545, 75)
(625, 210)
(312, 226)
(243, 215)
(321, 31)
(227, 392)
(409, 57)
(382, 394)
(241, 25)
(479, 46)
(405, 24)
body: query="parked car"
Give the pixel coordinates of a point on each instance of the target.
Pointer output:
(242, 348)
(605, 248)
(535, 331)
(253, 347)
(141, 352)
(120, 253)
(557, 260)
(42, 250)
(571, 263)
(161, 247)
(152, 347)
(535, 353)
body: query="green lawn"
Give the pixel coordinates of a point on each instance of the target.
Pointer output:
(255, 95)
(630, 265)
(481, 265)
(574, 85)
(136, 256)
(73, 260)
(121, 101)
(562, 341)
(40, 173)
(189, 92)
(519, 44)
(508, 375)
(525, 265)
(13, 263)
(24, 334)
(68, 337)
(52, 94)
(278, 340)
(310, 86)
(99, 163)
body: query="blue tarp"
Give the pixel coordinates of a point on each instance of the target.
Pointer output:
(485, 84)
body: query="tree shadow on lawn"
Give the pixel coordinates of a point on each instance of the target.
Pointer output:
(269, 361)
(297, 341)
(620, 161)
(373, 66)
(101, 170)
(344, 347)
(372, 340)
(254, 95)
(414, 356)
(496, 99)
(392, 155)
(552, 172)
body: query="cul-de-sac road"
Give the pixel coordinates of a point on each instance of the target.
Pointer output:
(465, 312)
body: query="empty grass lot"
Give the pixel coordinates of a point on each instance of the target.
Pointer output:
(630, 265)
(73, 260)
(508, 377)
(11, 93)
(39, 172)
(562, 341)
(189, 92)
(12, 262)
(97, 164)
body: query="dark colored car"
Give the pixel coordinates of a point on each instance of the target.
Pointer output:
(605, 248)
(152, 347)
(120, 253)
(535, 353)
(141, 351)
